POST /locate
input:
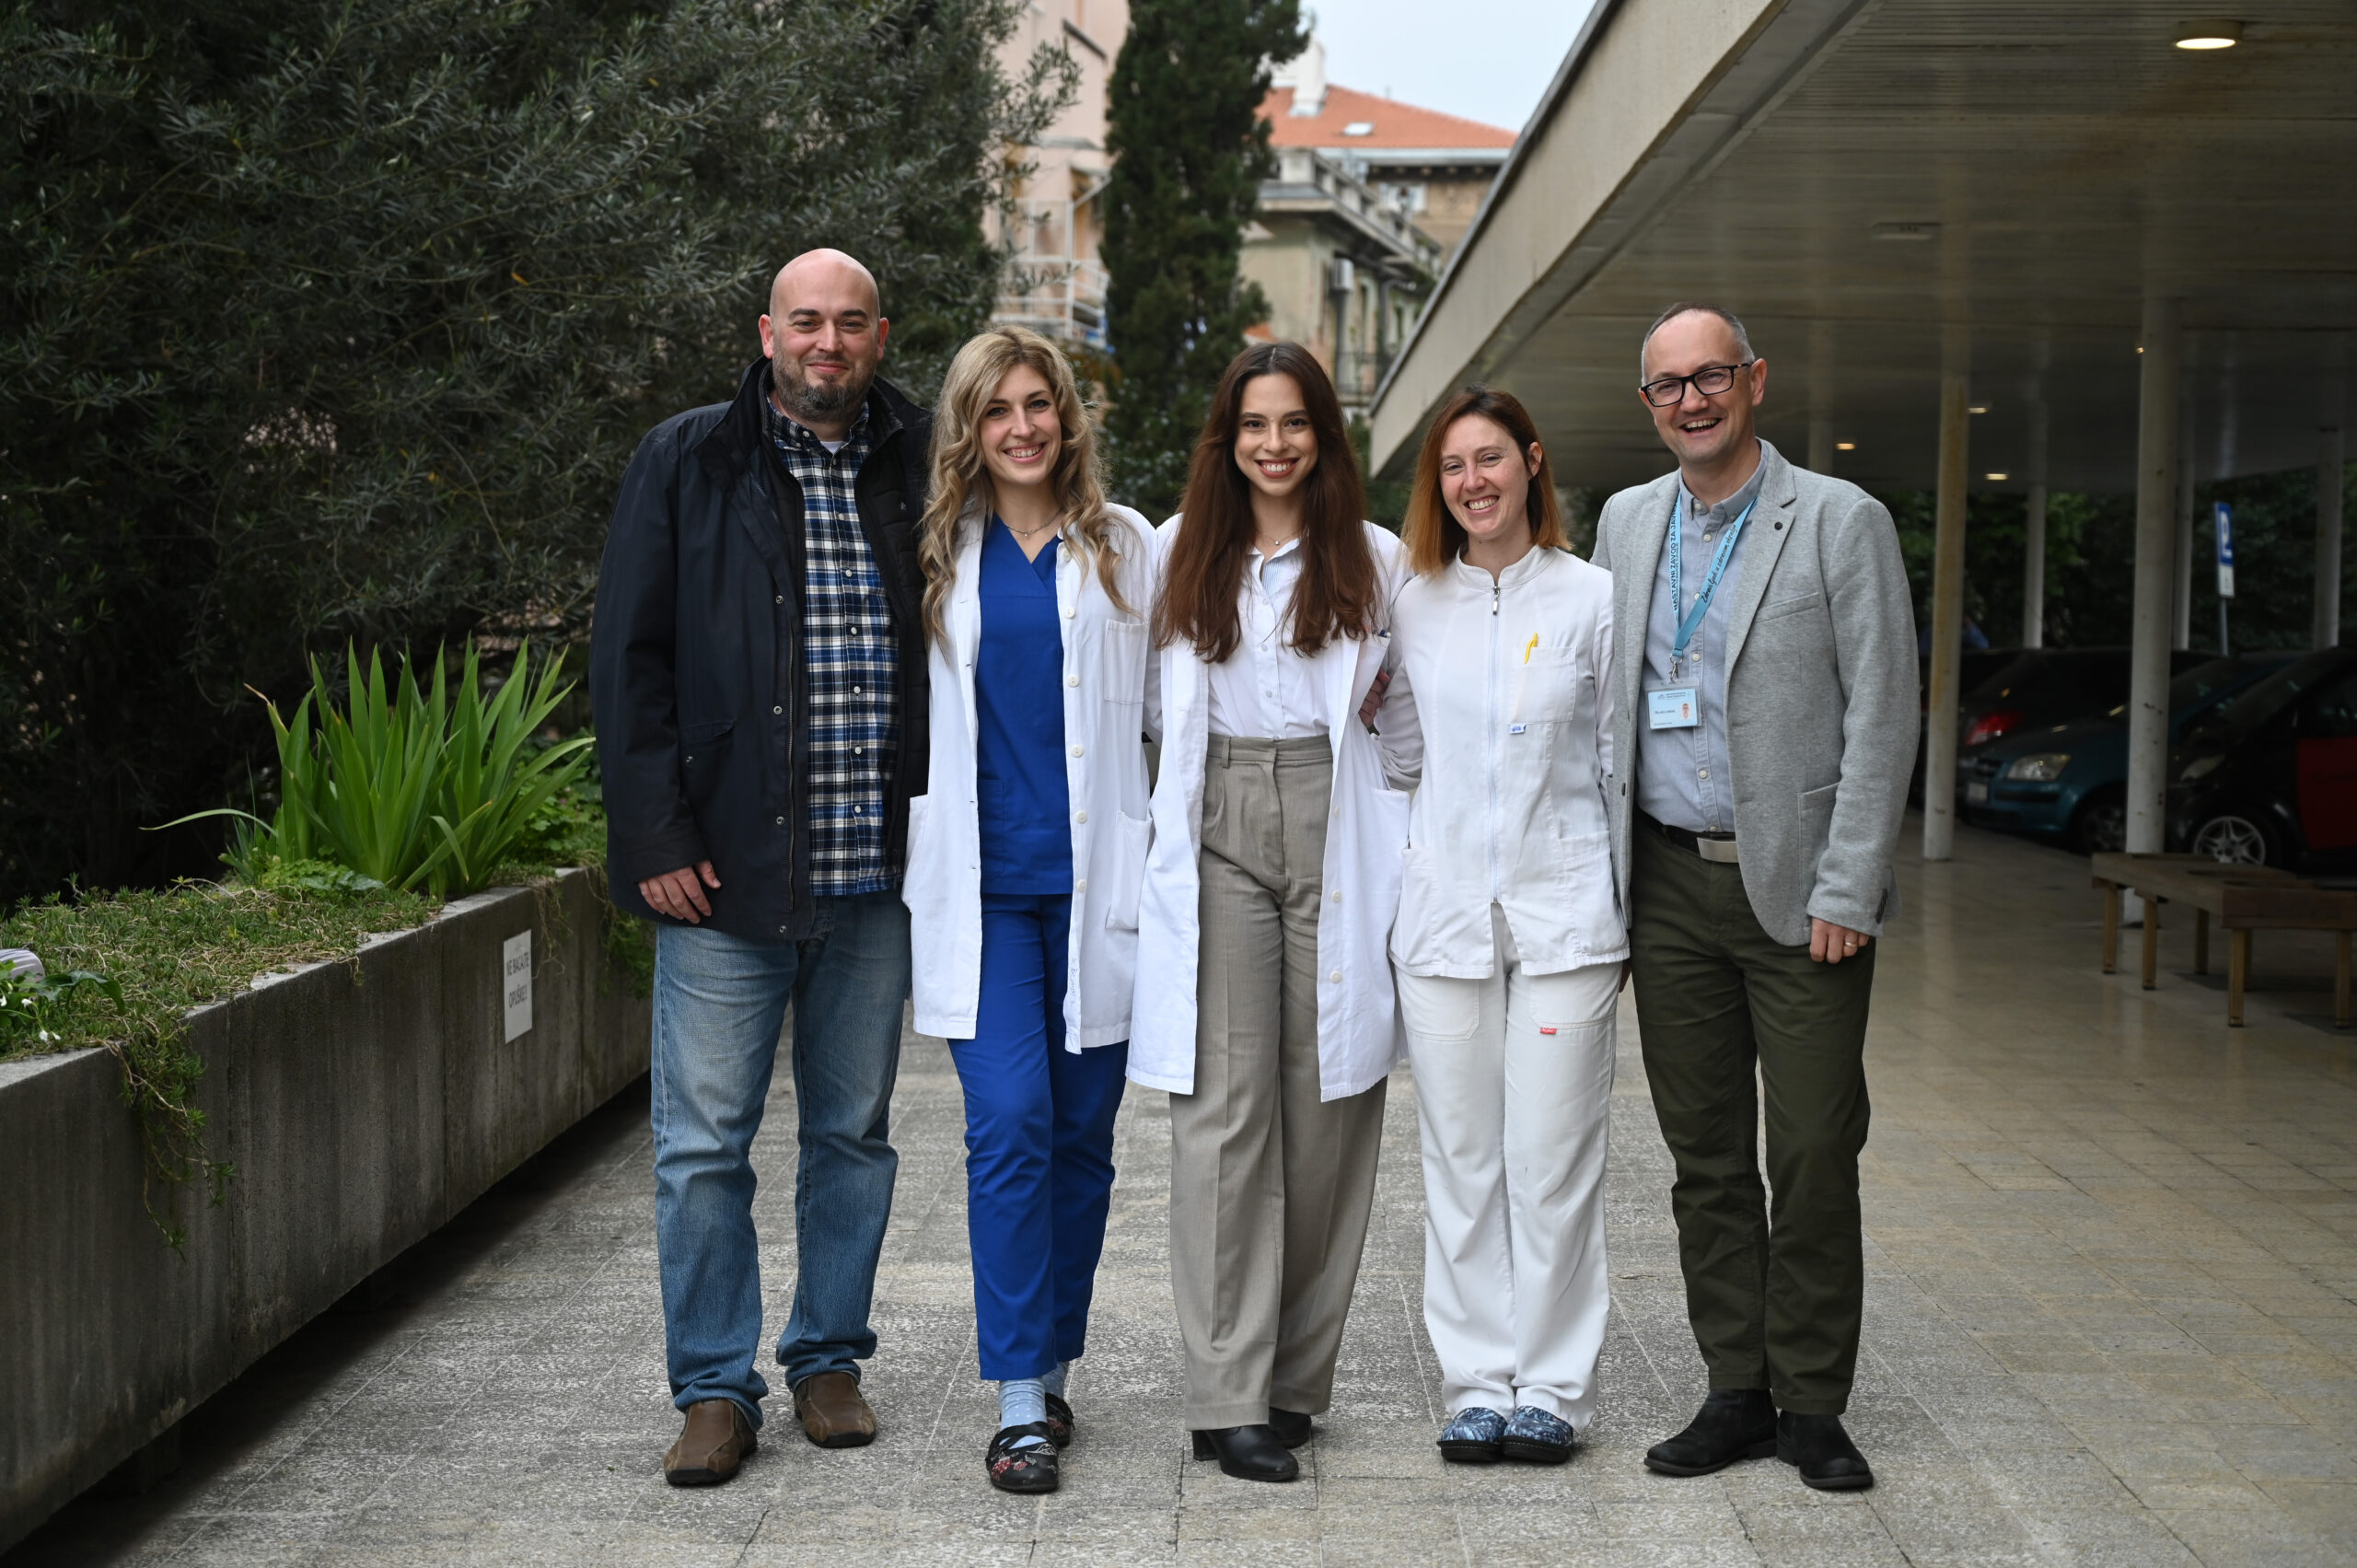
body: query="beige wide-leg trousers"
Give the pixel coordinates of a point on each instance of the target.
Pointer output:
(1270, 1185)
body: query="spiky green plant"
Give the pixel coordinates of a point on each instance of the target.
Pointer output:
(407, 787)
(491, 785)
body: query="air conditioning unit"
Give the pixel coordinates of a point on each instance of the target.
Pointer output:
(1342, 276)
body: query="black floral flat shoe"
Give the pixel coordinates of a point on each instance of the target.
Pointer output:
(1058, 1422)
(1031, 1468)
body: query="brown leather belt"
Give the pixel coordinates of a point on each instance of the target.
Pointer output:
(1717, 848)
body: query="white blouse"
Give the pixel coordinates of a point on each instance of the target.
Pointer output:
(1265, 689)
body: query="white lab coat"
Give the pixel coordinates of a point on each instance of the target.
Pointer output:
(1359, 1039)
(1511, 683)
(1108, 679)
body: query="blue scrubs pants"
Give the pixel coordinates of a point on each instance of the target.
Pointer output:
(1038, 1144)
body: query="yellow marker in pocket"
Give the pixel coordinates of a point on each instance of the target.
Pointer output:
(1513, 720)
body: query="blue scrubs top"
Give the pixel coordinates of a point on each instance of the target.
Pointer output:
(1024, 802)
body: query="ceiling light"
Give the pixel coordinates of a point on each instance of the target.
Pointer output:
(2209, 32)
(1910, 232)
(1997, 476)
(1845, 446)
(1978, 407)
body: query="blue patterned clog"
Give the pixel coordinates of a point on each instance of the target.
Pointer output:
(1472, 1436)
(1537, 1437)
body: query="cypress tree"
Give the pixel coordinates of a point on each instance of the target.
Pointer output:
(1189, 150)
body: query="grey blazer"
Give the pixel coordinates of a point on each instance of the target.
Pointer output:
(1821, 701)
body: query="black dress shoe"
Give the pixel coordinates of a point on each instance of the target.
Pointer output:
(1827, 1459)
(1060, 1421)
(1291, 1427)
(1247, 1452)
(1733, 1423)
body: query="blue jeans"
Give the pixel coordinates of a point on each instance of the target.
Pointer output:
(720, 1002)
(1038, 1144)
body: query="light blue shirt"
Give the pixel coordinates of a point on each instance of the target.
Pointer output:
(1682, 777)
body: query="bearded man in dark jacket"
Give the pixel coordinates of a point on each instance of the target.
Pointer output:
(757, 668)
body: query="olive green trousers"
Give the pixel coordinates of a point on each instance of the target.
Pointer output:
(1775, 1289)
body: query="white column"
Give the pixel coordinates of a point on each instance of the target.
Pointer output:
(2182, 637)
(2148, 687)
(1947, 613)
(2034, 531)
(2330, 453)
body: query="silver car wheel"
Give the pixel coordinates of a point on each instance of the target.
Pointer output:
(2238, 840)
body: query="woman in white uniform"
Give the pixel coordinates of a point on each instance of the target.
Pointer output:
(1264, 1002)
(1509, 945)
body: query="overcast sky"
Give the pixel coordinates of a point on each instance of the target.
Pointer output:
(1487, 61)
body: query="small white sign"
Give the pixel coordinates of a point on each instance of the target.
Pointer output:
(516, 983)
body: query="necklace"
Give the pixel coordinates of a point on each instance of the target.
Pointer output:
(1025, 533)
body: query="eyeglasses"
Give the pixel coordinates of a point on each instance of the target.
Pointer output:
(1711, 380)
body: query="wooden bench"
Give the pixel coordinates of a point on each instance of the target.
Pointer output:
(2242, 899)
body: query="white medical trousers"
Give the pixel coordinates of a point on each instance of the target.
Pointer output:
(1514, 1089)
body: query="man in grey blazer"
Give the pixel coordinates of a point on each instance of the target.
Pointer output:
(1764, 724)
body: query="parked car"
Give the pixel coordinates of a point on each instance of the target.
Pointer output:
(1977, 665)
(2033, 687)
(2068, 781)
(2270, 778)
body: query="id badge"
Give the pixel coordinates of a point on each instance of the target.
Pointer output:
(1673, 707)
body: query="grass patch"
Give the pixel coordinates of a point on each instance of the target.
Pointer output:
(167, 952)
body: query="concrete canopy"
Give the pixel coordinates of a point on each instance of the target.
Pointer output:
(1870, 183)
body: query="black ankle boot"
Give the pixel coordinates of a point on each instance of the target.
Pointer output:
(1733, 1423)
(1827, 1459)
(1247, 1452)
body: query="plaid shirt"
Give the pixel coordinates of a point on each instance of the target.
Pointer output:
(851, 722)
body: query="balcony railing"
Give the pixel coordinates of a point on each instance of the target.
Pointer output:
(1061, 295)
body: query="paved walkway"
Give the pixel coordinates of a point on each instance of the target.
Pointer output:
(2109, 1320)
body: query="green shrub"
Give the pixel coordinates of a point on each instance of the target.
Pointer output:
(412, 788)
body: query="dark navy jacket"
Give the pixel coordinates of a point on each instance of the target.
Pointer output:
(696, 674)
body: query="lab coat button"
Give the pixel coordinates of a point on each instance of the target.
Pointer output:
(1078, 750)
(1080, 817)
(1072, 680)
(1080, 885)
(1335, 976)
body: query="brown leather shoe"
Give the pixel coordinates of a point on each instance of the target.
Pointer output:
(717, 1437)
(833, 1411)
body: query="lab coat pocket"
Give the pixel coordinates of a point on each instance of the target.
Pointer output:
(1591, 904)
(1547, 688)
(1121, 656)
(1429, 932)
(1124, 880)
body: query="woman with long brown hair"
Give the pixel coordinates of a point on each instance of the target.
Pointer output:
(1025, 851)
(1267, 1010)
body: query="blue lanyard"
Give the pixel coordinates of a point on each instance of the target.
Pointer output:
(1691, 623)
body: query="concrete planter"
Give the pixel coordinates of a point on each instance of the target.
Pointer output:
(363, 1105)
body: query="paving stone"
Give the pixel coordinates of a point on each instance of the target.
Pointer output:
(2111, 1318)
